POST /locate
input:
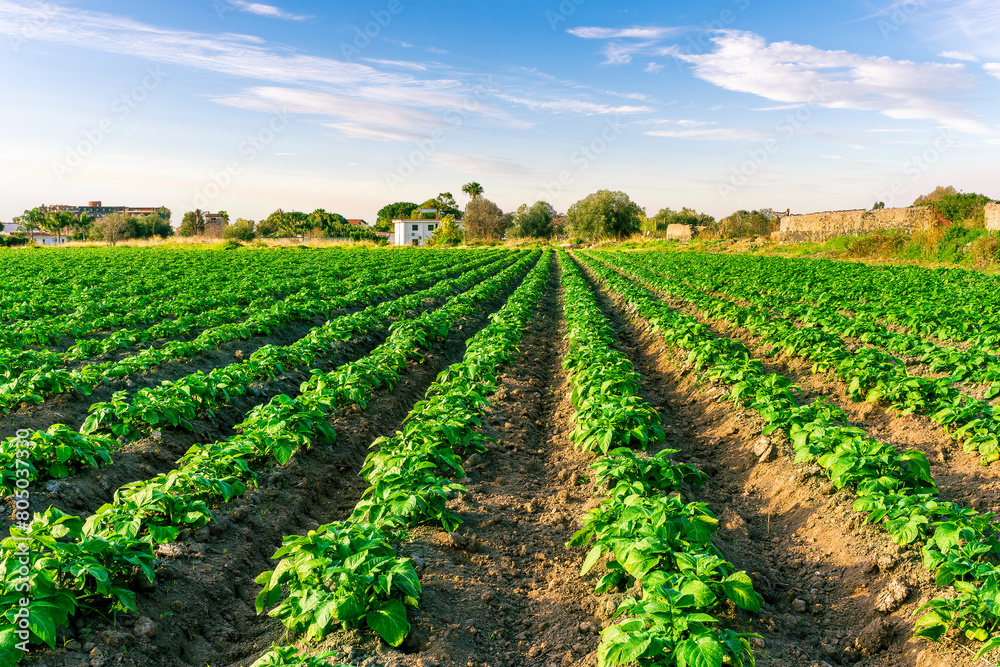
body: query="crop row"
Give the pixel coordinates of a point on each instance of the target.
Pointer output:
(35, 385)
(406, 488)
(895, 489)
(60, 451)
(649, 534)
(870, 374)
(814, 306)
(96, 560)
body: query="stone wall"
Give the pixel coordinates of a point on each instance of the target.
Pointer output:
(679, 232)
(993, 216)
(830, 224)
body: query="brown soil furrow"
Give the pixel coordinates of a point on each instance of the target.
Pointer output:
(203, 602)
(820, 568)
(959, 475)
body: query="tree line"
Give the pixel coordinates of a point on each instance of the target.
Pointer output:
(84, 227)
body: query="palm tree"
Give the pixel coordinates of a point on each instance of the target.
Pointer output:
(473, 189)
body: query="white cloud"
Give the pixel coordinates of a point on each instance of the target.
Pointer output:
(959, 55)
(653, 68)
(269, 11)
(579, 107)
(622, 53)
(309, 84)
(796, 74)
(652, 32)
(708, 134)
(398, 64)
(992, 69)
(355, 118)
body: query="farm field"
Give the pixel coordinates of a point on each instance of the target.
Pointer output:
(355, 456)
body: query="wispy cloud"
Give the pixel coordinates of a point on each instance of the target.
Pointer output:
(269, 11)
(577, 107)
(992, 69)
(709, 134)
(355, 118)
(959, 55)
(796, 74)
(651, 32)
(624, 47)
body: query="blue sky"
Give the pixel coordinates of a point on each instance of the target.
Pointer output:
(719, 105)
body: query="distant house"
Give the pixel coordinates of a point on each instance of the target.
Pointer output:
(413, 232)
(40, 237)
(214, 224)
(359, 223)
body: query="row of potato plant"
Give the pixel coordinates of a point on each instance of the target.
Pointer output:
(870, 374)
(59, 451)
(145, 513)
(651, 537)
(960, 546)
(302, 571)
(36, 384)
(748, 279)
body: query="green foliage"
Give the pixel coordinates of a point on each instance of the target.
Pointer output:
(241, 230)
(67, 569)
(447, 233)
(390, 212)
(955, 206)
(340, 574)
(894, 488)
(192, 224)
(533, 222)
(685, 216)
(604, 214)
(748, 223)
(484, 221)
(288, 656)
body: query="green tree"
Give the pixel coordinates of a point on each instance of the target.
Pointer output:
(330, 224)
(533, 222)
(604, 214)
(114, 227)
(193, 223)
(447, 233)
(390, 212)
(956, 206)
(685, 216)
(149, 226)
(749, 223)
(484, 221)
(31, 221)
(241, 230)
(473, 189)
(270, 225)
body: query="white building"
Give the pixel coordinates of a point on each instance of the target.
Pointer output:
(413, 232)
